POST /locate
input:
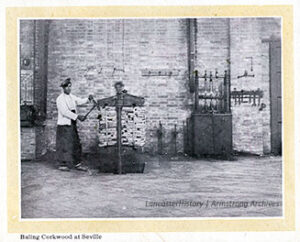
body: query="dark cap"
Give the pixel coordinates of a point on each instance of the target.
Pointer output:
(119, 83)
(66, 82)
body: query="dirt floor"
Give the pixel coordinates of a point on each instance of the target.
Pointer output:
(249, 186)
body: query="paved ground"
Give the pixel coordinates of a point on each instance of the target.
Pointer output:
(248, 187)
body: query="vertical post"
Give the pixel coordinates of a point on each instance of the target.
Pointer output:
(196, 108)
(229, 45)
(119, 137)
(184, 135)
(175, 139)
(119, 105)
(211, 92)
(225, 97)
(189, 48)
(106, 125)
(192, 50)
(46, 41)
(229, 92)
(134, 129)
(159, 137)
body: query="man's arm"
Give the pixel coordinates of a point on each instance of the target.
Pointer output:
(64, 110)
(80, 101)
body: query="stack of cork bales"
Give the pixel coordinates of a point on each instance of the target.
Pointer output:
(133, 127)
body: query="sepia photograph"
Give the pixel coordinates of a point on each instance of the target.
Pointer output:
(150, 117)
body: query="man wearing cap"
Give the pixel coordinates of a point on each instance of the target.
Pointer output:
(68, 147)
(119, 86)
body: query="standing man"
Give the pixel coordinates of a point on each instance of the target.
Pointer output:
(68, 147)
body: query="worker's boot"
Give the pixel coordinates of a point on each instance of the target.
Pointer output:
(81, 167)
(63, 168)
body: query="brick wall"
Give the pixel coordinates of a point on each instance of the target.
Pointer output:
(251, 127)
(33, 83)
(40, 65)
(212, 45)
(26, 52)
(96, 54)
(227, 44)
(32, 142)
(28, 143)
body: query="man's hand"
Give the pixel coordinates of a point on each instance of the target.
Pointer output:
(81, 118)
(91, 97)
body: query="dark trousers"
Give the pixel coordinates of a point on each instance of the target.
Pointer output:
(68, 147)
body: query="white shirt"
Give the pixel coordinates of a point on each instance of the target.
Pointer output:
(65, 103)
